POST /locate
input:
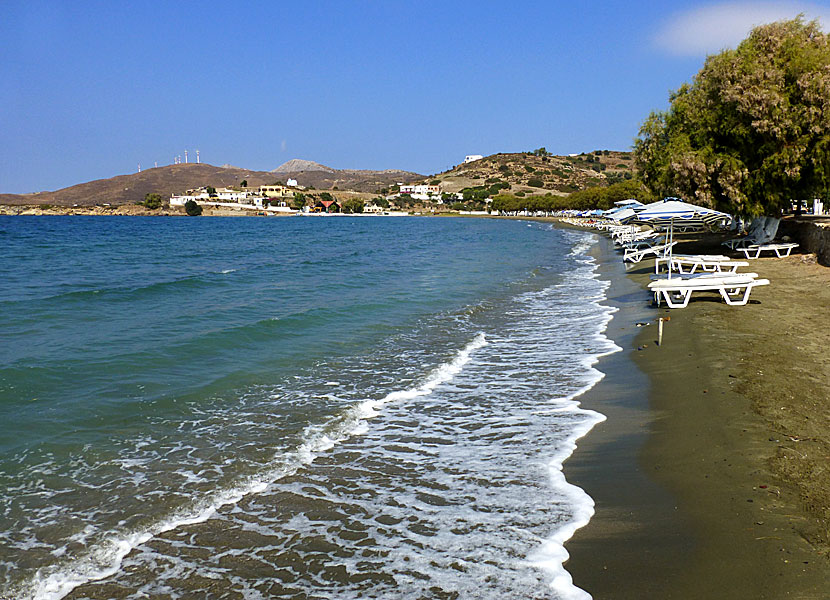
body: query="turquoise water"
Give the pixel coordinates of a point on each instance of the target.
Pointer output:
(291, 407)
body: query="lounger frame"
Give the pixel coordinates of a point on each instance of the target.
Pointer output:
(677, 293)
(781, 250)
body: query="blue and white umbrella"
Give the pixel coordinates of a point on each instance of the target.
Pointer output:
(630, 203)
(622, 215)
(671, 212)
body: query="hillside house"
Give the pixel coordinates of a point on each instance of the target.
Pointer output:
(281, 192)
(422, 192)
(327, 206)
(472, 158)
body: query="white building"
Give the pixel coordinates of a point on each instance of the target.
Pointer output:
(237, 199)
(472, 158)
(422, 192)
(291, 183)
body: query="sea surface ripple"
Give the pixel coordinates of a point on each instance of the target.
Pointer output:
(293, 408)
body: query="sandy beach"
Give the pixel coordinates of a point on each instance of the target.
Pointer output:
(710, 473)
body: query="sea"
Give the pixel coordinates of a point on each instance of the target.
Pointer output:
(293, 407)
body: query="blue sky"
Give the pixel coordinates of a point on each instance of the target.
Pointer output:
(89, 90)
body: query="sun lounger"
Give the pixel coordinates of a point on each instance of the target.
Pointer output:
(694, 264)
(781, 250)
(636, 255)
(761, 231)
(627, 238)
(661, 261)
(677, 291)
(640, 244)
(691, 276)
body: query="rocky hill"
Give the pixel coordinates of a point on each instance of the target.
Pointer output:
(540, 173)
(297, 165)
(167, 180)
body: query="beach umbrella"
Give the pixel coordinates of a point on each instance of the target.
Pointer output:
(670, 212)
(673, 212)
(623, 216)
(630, 203)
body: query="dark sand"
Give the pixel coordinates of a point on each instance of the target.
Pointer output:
(703, 484)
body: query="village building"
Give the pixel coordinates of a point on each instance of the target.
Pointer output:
(276, 191)
(327, 206)
(421, 192)
(472, 158)
(239, 199)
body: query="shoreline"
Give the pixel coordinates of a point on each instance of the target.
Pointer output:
(687, 504)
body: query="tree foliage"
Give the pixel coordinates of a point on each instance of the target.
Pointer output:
(299, 201)
(353, 205)
(192, 208)
(152, 201)
(588, 199)
(752, 130)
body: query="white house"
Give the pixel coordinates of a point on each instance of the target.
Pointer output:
(472, 158)
(291, 183)
(223, 197)
(421, 192)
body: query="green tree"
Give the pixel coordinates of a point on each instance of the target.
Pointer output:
(752, 130)
(353, 205)
(211, 191)
(192, 208)
(244, 183)
(298, 202)
(152, 201)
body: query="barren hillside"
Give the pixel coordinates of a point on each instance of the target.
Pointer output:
(167, 180)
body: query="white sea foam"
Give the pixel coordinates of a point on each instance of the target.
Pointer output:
(104, 559)
(552, 555)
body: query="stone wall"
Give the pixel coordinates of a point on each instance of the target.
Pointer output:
(813, 236)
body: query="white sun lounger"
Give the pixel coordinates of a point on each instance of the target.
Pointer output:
(781, 250)
(640, 244)
(692, 264)
(636, 255)
(690, 276)
(677, 291)
(627, 238)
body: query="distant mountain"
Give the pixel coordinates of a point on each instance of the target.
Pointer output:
(296, 165)
(177, 179)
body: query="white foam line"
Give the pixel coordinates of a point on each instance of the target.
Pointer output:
(104, 560)
(552, 555)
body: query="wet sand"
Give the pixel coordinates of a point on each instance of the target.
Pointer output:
(708, 474)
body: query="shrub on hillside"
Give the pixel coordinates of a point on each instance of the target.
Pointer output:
(152, 201)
